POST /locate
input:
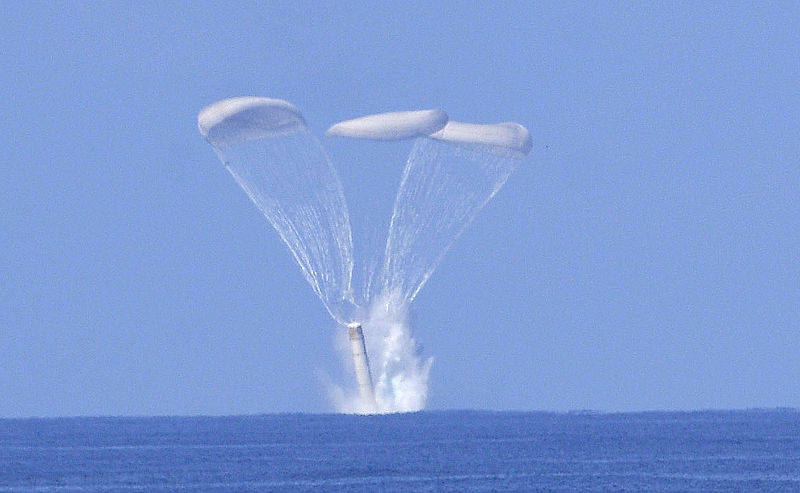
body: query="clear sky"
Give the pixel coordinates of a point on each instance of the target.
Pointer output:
(645, 256)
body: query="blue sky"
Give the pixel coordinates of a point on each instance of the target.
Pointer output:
(645, 256)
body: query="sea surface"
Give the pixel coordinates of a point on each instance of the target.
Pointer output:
(429, 451)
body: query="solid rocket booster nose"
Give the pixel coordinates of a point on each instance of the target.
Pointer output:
(361, 362)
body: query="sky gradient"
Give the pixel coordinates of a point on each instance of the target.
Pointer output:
(645, 256)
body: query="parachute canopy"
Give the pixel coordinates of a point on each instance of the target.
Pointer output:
(507, 139)
(396, 125)
(237, 120)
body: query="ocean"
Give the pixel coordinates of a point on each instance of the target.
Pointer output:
(755, 450)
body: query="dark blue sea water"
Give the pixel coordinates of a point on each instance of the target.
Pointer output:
(429, 451)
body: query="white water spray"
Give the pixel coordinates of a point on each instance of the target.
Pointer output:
(454, 169)
(399, 372)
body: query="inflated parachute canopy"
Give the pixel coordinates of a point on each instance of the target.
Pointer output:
(236, 120)
(507, 139)
(396, 125)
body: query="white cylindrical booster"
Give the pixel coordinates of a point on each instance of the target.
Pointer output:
(361, 363)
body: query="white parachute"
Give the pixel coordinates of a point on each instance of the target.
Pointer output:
(507, 139)
(396, 125)
(237, 120)
(452, 171)
(265, 145)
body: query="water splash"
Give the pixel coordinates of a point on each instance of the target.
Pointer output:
(399, 370)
